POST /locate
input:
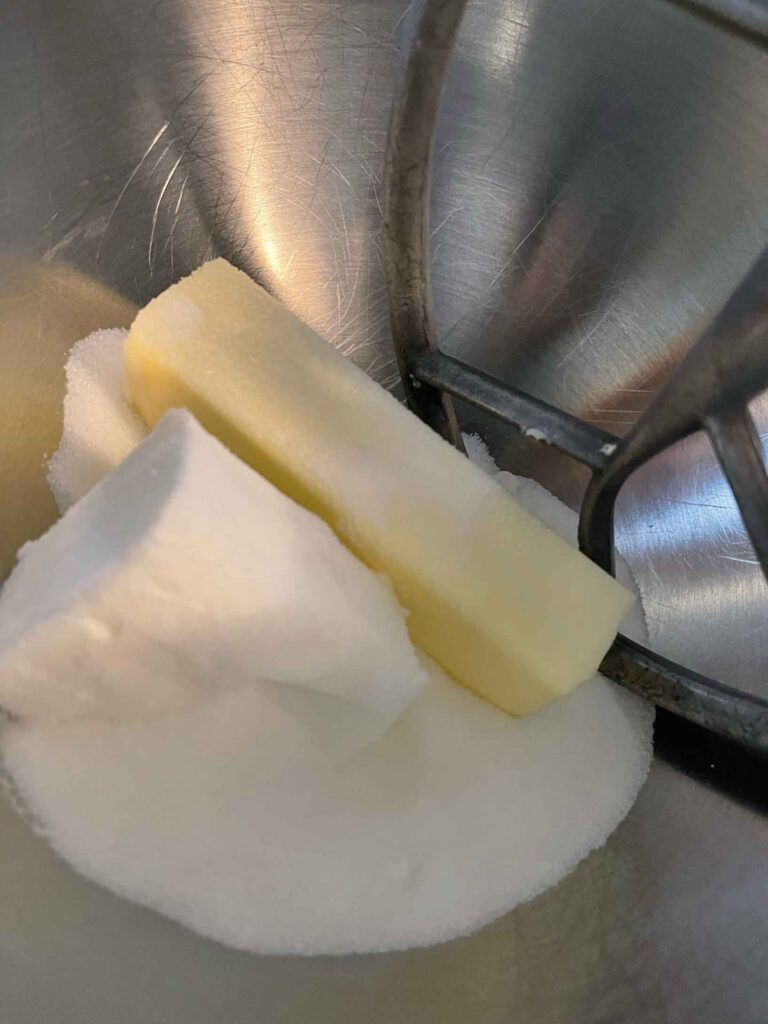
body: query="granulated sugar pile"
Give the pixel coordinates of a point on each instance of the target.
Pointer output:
(100, 428)
(232, 819)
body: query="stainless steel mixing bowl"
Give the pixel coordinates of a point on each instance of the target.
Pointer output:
(601, 184)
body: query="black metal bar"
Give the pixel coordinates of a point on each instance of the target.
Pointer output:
(740, 454)
(531, 416)
(748, 18)
(726, 711)
(407, 177)
(596, 521)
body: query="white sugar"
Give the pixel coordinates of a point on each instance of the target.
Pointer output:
(183, 574)
(100, 428)
(478, 453)
(227, 820)
(232, 819)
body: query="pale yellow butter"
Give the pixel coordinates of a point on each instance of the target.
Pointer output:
(498, 599)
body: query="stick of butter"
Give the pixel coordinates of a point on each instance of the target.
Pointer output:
(498, 599)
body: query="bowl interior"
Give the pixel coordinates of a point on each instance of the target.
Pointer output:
(600, 186)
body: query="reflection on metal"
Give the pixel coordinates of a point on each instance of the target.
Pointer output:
(599, 187)
(710, 390)
(745, 16)
(406, 202)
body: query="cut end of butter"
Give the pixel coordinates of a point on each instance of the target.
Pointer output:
(184, 574)
(495, 597)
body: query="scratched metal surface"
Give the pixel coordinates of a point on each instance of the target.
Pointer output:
(601, 183)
